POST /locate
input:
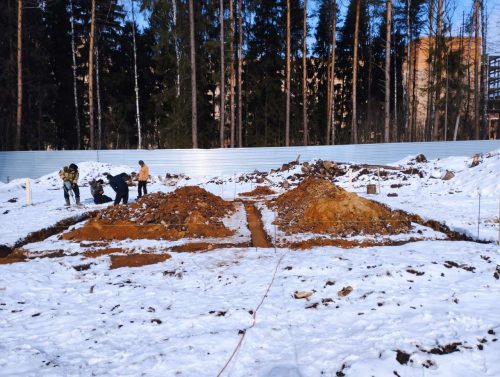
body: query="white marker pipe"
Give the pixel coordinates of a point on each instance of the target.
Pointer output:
(28, 192)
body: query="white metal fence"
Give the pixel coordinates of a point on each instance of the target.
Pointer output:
(196, 162)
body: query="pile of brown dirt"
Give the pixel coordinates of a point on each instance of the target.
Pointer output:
(318, 206)
(187, 212)
(259, 191)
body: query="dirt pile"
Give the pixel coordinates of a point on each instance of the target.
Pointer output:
(322, 168)
(319, 206)
(259, 191)
(187, 212)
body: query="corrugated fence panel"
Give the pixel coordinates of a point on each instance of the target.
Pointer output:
(196, 162)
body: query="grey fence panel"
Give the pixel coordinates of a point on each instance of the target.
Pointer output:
(213, 162)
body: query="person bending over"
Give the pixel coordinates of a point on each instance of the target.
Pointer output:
(97, 191)
(118, 184)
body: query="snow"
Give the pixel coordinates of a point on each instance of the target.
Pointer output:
(183, 316)
(186, 316)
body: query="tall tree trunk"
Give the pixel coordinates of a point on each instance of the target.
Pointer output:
(395, 95)
(417, 135)
(222, 75)
(194, 115)
(231, 71)
(484, 71)
(430, 59)
(136, 84)
(477, 95)
(368, 109)
(91, 76)
(408, 124)
(446, 99)
(39, 119)
(75, 93)
(288, 48)
(354, 120)
(177, 51)
(98, 92)
(438, 61)
(387, 72)
(331, 104)
(304, 73)
(240, 69)
(19, 115)
(328, 96)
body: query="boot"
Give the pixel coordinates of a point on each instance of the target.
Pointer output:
(77, 200)
(67, 203)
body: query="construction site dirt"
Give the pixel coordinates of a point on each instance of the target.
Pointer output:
(187, 212)
(316, 205)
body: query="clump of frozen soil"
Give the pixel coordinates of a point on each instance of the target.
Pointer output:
(187, 212)
(318, 206)
(259, 191)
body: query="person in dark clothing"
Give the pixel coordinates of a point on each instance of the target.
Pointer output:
(97, 191)
(118, 184)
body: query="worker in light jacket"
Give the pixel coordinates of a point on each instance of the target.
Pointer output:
(69, 175)
(143, 178)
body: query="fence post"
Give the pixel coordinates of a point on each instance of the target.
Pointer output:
(378, 173)
(478, 213)
(28, 192)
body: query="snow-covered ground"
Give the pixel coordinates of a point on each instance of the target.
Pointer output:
(186, 316)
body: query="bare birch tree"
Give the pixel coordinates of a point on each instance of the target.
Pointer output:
(75, 92)
(136, 79)
(330, 129)
(194, 115)
(176, 48)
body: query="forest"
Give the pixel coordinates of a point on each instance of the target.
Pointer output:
(109, 74)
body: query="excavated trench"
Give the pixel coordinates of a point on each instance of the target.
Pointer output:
(204, 202)
(7, 252)
(254, 221)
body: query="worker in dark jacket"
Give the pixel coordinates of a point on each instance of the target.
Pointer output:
(69, 175)
(118, 184)
(97, 191)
